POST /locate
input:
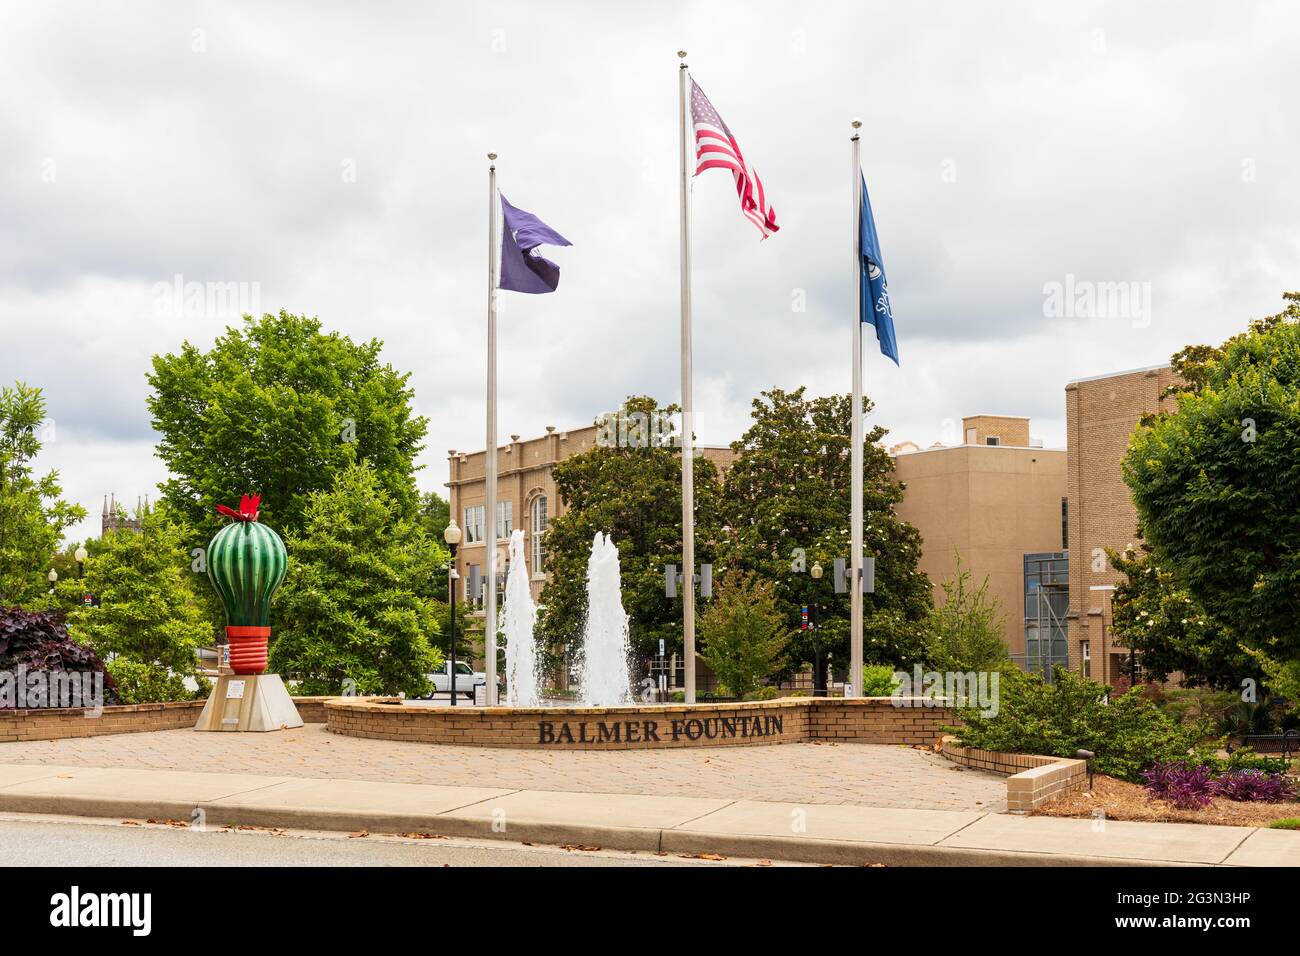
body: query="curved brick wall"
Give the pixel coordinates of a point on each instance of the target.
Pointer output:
(789, 719)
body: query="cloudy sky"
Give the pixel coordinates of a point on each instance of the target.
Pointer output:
(329, 157)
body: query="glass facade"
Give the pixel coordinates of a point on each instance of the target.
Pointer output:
(1047, 601)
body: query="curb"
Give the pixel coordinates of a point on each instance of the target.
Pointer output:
(644, 839)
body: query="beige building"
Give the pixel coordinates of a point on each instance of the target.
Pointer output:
(998, 501)
(1101, 415)
(526, 498)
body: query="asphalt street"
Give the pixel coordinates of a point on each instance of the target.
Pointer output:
(29, 840)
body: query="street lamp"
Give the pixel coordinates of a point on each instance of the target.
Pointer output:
(819, 675)
(81, 555)
(52, 577)
(452, 536)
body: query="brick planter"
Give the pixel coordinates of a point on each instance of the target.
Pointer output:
(1032, 779)
(53, 723)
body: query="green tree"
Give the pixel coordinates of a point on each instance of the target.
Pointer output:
(434, 514)
(743, 633)
(33, 514)
(1170, 631)
(965, 630)
(280, 408)
(628, 486)
(148, 611)
(355, 603)
(1216, 485)
(787, 499)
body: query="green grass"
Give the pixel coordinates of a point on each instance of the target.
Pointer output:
(1287, 823)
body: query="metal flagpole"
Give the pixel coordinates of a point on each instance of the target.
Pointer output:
(855, 490)
(688, 419)
(490, 455)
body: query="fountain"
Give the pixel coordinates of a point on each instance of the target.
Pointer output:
(605, 678)
(517, 619)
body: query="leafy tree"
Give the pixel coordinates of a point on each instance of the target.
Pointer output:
(280, 408)
(1170, 631)
(965, 631)
(630, 489)
(33, 514)
(148, 612)
(787, 506)
(39, 641)
(355, 603)
(434, 514)
(1217, 489)
(743, 633)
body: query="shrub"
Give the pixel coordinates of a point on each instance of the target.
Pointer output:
(878, 680)
(1187, 788)
(1128, 733)
(39, 641)
(763, 693)
(146, 683)
(743, 633)
(1255, 785)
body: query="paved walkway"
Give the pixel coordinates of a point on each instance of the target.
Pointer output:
(805, 773)
(658, 823)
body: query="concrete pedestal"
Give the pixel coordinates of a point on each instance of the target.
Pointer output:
(251, 702)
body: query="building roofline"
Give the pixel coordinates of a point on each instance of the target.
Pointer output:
(921, 451)
(1130, 371)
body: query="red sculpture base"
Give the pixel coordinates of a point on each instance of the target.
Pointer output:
(248, 648)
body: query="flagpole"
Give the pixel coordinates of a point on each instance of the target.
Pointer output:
(688, 418)
(855, 508)
(490, 454)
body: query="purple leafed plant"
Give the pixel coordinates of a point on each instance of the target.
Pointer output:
(1254, 785)
(1187, 788)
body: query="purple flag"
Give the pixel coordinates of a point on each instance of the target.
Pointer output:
(522, 269)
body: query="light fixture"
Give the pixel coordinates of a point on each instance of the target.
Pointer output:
(81, 554)
(52, 576)
(816, 571)
(452, 534)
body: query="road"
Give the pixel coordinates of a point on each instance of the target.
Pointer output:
(31, 840)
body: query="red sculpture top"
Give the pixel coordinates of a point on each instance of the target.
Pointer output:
(248, 505)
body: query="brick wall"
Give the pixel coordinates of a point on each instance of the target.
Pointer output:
(1032, 779)
(873, 720)
(1101, 416)
(52, 723)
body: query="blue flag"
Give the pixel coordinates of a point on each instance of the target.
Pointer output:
(522, 268)
(875, 291)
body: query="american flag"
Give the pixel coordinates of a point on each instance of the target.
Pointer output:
(716, 148)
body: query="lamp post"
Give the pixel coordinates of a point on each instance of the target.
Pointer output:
(52, 577)
(452, 536)
(819, 675)
(81, 555)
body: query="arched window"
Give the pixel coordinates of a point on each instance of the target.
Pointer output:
(537, 526)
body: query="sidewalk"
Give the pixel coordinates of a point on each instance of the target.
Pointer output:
(816, 833)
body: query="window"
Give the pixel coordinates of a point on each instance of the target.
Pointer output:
(505, 518)
(992, 440)
(1085, 652)
(1065, 524)
(474, 524)
(538, 519)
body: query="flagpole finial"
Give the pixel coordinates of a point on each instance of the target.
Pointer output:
(681, 55)
(857, 125)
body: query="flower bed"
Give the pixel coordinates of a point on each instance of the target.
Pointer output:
(1113, 799)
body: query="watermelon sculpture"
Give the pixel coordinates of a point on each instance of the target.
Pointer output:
(246, 564)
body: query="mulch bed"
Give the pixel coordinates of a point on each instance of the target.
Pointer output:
(1120, 800)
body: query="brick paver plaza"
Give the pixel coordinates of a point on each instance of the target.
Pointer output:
(826, 773)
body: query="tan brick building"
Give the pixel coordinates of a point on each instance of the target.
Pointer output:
(526, 498)
(1102, 413)
(993, 500)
